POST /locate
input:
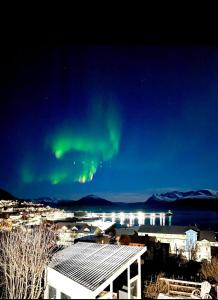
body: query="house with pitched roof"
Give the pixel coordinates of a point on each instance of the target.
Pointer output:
(69, 231)
(190, 241)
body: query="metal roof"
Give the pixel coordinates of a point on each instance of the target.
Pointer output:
(91, 264)
(165, 229)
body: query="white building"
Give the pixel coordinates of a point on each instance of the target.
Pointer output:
(59, 215)
(69, 231)
(102, 225)
(183, 239)
(88, 270)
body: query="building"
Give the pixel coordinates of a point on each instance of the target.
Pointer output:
(60, 215)
(126, 231)
(99, 239)
(88, 271)
(156, 251)
(104, 226)
(190, 241)
(69, 231)
(206, 241)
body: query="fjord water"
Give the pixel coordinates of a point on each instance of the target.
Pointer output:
(204, 219)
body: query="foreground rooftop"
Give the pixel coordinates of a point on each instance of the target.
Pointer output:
(91, 264)
(88, 268)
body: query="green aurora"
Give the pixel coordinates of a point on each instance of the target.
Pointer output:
(58, 176)
(86, 143)
(78, 147)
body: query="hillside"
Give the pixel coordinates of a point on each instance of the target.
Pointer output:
(92, 200)
(4, 195)
(87, 201)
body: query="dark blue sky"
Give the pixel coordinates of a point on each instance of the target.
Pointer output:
(133, 120)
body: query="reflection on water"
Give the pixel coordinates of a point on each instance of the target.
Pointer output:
(137, 219)
(203, 219)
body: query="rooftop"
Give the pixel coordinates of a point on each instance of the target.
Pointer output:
(91, 265)
(126, 231)
(207, 235)
(166, 229)
(81, 227)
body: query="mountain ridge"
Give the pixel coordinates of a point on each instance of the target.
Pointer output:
(204, 198)
(177, 195)
(200, 199)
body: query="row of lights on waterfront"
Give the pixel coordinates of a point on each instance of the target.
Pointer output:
(140, 216)
(126, 215)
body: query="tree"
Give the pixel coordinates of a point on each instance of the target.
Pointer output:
(124, 239)
(112, 235)
(103, 240)
(112, 232)
(6, 224)
(210, 269)
(194, 252)
(98, 232)
(24, 254)
(152, 290)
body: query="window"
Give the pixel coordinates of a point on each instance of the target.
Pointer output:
(64, 296)
(51, 292)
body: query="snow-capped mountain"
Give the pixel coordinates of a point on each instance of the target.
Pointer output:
(176, 195)
(46, 200)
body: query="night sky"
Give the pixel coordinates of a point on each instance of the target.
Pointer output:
(120, 122)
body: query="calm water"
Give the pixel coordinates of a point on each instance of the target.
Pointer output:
(203, 219)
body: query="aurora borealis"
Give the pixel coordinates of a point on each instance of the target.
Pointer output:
(120, 120)
(78, 148)
(96, 140)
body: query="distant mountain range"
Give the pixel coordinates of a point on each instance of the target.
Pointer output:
(203, 199)
(176, 195)
(90, 200)
(95, 200)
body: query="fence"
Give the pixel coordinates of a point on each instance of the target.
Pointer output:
(177, 286)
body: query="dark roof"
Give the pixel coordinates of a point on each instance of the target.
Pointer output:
(166, 229)
(137, 239)
(126, 231)
(207, 235)
(88, 238)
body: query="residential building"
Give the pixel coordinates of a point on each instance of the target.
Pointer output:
(69, 231)
(190, 241)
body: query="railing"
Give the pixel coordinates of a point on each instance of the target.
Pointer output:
(181, 287)
(184, 288)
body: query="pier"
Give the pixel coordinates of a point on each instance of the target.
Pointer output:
(153, 218)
